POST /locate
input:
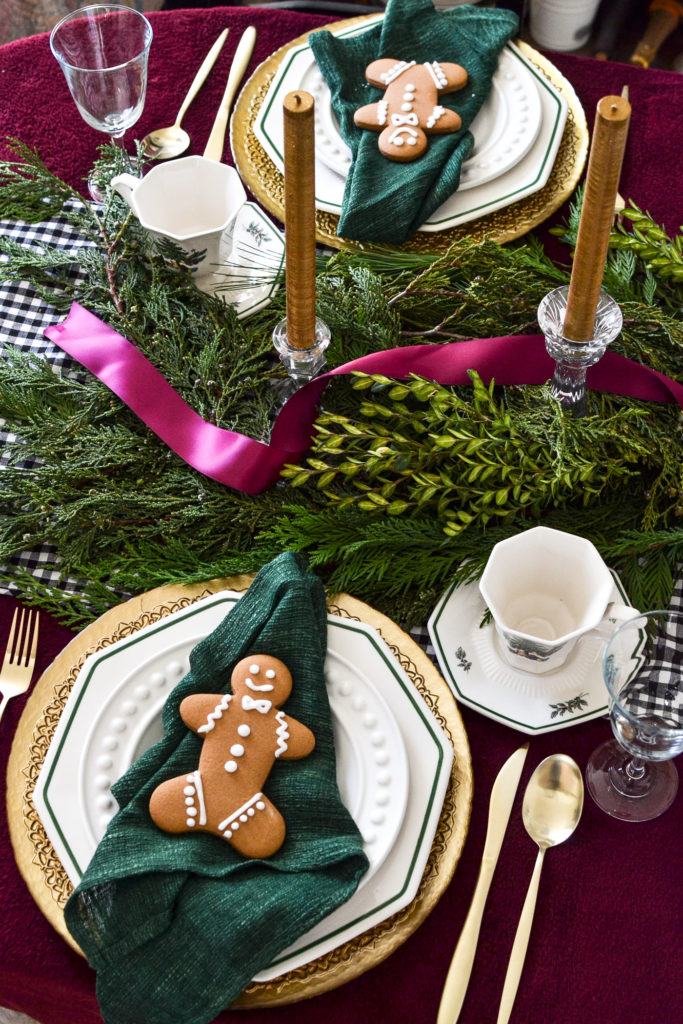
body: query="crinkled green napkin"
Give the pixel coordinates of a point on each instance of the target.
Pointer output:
(385, 201)
(177, 925)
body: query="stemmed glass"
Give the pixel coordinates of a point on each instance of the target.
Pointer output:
(632, 777)
(102, 50)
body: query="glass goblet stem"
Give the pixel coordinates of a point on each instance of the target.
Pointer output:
(635, 769)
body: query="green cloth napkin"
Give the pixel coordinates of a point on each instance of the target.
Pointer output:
(177, 926)
(385, 201)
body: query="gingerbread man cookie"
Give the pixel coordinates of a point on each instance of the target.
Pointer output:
(244, 733)
(410, 110)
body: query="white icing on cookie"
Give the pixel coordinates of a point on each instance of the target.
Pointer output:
(282, 734)
(436, 113)
(264, 686)
(233, 820)
(437, 73)
(397, 137)
(398, 119)
(396, 70)
(194, 799)
(216, 714)
(262, 706)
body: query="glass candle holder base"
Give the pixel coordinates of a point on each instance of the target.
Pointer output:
(302, 364)
(573, 358)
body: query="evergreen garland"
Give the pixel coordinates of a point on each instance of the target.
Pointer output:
(408, 484)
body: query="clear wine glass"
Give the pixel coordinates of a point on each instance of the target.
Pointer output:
(632, 777)
(102, 50)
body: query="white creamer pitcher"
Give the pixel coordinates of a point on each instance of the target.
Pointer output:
(192, 201)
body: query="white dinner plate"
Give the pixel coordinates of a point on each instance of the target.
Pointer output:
(252, 255)
(524, 177)
(468, 651)
(394, 761)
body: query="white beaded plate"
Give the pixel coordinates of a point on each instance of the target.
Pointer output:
(372, 769)
(504, 130)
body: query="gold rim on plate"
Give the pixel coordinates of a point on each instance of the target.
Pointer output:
(47, 881)
(267, 183)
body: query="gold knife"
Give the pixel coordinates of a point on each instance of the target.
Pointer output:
(245, 47)
(500, 806)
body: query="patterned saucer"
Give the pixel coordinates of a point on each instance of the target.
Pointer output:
(468, 651)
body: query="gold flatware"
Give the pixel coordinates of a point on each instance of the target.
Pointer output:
(551, 809)
(500, 806)
(20, 657)
(165, 143)
(245, 47)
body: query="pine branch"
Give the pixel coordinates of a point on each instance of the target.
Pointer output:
(408, 484)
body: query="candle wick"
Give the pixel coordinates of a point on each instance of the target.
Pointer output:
(614, 108)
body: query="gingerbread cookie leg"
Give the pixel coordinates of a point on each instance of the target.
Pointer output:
(256, 829)
(178, 805)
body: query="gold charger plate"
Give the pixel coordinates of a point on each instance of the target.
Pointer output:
(47, 881)
(267, 183)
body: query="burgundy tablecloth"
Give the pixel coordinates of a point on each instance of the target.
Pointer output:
(606, 943)
(35, 104)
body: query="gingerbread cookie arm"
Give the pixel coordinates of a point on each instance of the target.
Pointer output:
(200, 711)
(295, 740)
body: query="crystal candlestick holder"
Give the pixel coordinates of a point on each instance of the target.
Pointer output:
(573, 358)
(302, 364)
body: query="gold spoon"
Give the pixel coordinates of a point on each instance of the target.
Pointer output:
(551, 809)
(165, 143)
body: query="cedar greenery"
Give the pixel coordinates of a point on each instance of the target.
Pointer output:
(408, 484)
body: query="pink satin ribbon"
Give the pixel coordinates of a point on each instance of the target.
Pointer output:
(251, 466)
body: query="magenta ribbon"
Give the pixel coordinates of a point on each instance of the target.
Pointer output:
(251, 466)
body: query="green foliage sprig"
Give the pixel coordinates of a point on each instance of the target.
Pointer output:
(477, 457)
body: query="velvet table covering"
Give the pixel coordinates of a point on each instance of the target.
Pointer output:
(606, 941)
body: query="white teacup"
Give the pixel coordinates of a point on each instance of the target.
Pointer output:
(192, 201)
(545, 590)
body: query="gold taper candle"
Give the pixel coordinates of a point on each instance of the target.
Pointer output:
(299, 218)
(597, 214)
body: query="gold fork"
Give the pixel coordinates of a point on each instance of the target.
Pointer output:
(19, 661)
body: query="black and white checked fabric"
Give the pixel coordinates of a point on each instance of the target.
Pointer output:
(23, 319)
(654, 687)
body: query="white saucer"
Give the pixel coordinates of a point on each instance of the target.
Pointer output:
(472, 663)
(252, 257)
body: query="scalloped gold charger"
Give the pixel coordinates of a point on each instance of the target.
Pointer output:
(267, 183)
(47, 881)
